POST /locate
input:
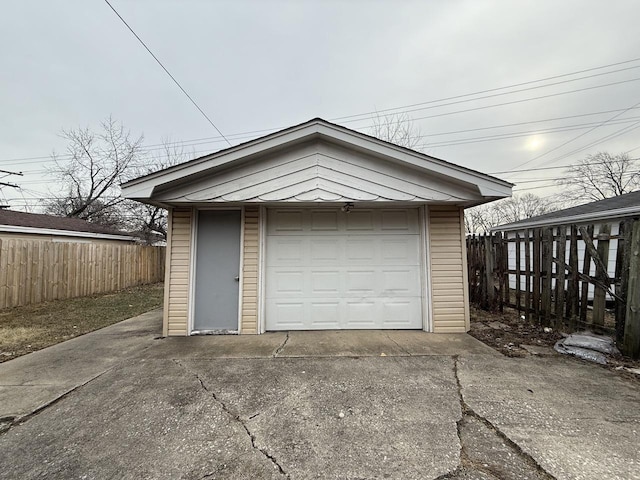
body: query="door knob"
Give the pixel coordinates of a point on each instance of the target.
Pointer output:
(237, 279)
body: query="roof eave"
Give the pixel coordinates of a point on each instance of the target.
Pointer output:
(581, 218)
(143, 188)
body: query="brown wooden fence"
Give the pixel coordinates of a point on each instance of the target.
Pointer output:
(568, 277)
(34, 271)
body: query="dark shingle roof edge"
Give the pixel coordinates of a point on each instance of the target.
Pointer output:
(626, 205)
(22, 222)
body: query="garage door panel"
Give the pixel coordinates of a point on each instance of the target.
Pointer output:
(399, 313)
(399, 251)
(400, 281)
(361, 314)
(290, 314)
(360, 250)
(360, 282)
(344, 270)
(324, 221)
(323, 250)
(285, 282)
(325, 315)
(288, 252)
(325, 282)
(359, 221)
(399, 220)
(286, 221)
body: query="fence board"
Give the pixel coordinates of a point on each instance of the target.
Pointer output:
(586, 269)
(518, 279)
(536, 273)
(33, 271)
(567, 302)
(573, 285)
(631, 342)
(527, 280)
(599, 298)
(547, 267)
(561, 247)
(622, 277)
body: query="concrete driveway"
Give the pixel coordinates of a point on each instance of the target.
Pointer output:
(119, 403)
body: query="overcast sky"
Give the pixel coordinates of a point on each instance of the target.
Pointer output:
(260, 65)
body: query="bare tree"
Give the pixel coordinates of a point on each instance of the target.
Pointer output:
(149, 222)
(600, 176)
(395, 128)
(90, 178)
(482, 218)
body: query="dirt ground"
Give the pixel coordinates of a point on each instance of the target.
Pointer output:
(27, 329)
(513, 336)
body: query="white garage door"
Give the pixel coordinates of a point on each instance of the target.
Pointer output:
(327, 269)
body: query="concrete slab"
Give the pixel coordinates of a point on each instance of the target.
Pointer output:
(53, 371)
(423, 343)
(576, 420)
(341, 343)
(376, 343)
(121, 404)
(218, 346)
(139, 420)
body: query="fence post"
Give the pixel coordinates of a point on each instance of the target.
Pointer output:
(622, 277)
(536, 274)
(631, 345)
(573, 297)
(561, 247)
(488, 270)
(599, 295)
(518, 288)
(586, 268)
(547, 266)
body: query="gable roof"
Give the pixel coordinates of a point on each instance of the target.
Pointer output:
(627, 205)
(22, 222)
(328, 182)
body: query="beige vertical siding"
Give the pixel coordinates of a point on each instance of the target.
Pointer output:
(176, 304)
(249, 304)
(449, 289)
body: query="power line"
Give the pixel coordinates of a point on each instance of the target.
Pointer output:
(497, 89)
(167, 72)
(577, 137)
(551, 168)
(252, 134)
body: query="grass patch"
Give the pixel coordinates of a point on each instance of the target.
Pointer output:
(26, 329)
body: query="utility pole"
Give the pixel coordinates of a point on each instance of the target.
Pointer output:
(7, 173)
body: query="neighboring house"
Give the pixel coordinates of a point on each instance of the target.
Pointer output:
(610, 211)
(315, 227)
(32, 226)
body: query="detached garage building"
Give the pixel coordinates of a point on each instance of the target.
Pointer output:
(315, 227)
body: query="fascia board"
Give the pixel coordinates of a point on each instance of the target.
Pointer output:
(604, 215)
(415, 159)
(65, 233)
(146, 185)
(143, 188)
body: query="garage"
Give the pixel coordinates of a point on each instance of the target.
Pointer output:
(315, 227)
(343, 268)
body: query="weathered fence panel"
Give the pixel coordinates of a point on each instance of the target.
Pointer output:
(529, 270)
(34, 271)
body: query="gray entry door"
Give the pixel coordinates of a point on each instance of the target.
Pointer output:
(217, 271)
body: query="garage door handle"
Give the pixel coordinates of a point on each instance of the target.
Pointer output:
(237, 279)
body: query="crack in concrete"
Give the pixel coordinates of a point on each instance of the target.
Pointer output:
(237, 417)
(465, 461)
(14, 421)
(398, 345)
(277, 351)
